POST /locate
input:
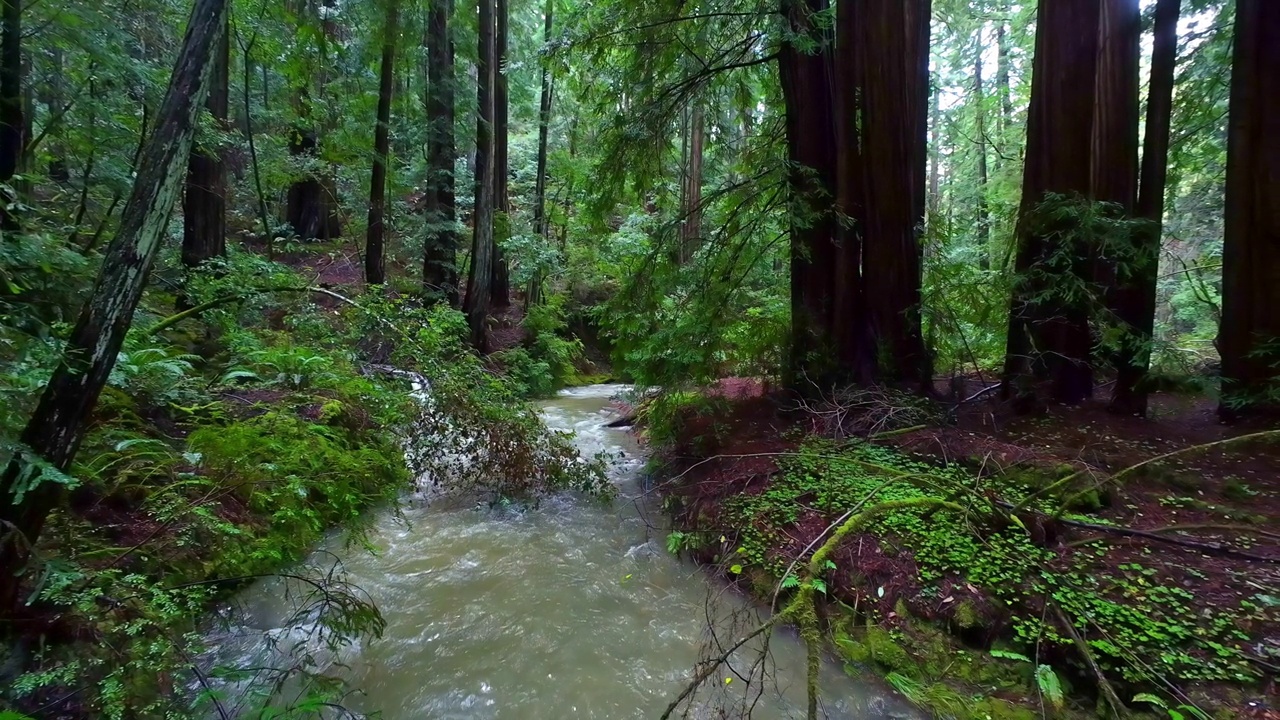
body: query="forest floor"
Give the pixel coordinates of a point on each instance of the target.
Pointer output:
(1170, 574)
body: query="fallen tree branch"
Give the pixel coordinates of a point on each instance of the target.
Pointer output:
(176, 318)
(1104, 686)
(1214, 548)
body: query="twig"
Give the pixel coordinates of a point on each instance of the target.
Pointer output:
(1108, 692)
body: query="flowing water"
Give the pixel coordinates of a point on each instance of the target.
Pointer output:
(571, 609)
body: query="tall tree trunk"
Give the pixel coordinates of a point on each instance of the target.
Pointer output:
(500, 292)
(1135, 299)
(1049, 340)
(28, 490)
(310, 208)
(980, 123)
(540, 225)
(935, 150)
(1251, 249)
(894, 118)
(11, 99)
(1003, 86)
(59, 171)
(440, 256)
(204, 205)
(853, 347)
(375, 264)
(691, 211)
(480, 279)
(810, 130)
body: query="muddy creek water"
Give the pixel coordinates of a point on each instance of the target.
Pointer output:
(572, 609)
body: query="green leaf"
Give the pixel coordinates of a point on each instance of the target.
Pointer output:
(1050, 686)
(1010, 655)
(1149, 698)
(735, 569)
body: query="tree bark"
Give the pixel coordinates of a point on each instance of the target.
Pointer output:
(894, 120)
(500, 292)
(853, 346)
(375, 264)
(810, 130)
(12, 124)
(440, 258)
(1049, 345)
(1250, 328)
(204, 205)
(479, 280)
(59, 171)
(691, 210)
(980, 122)
(1003, 86)
(56, 428)
(533, 294)
(1135, 299)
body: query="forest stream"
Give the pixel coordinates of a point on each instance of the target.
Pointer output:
(570, 609)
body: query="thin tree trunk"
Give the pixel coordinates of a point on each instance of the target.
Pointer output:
(440, 259)
(500, 292)
(59, 171)
(204, 206)
(1049, 340)
(1136, 299)
(1003, 87)
(12, 124)
(476, 304)
(533, 295)
(1251, 248)
(980, 122)
(691, 229)
(28, 490)
(375, 264)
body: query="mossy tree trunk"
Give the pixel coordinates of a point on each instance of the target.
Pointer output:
(29, 488)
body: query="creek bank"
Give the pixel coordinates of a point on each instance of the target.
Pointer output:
(980, 612)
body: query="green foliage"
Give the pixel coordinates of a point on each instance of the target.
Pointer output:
(547, 360)
(1142, 623)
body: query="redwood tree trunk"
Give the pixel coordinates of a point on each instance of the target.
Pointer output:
(980, 122)
(540, 225)
(500, 292)
(440, 256)
(204, 205)
(854, 350)
(479, 281)
(894, 120)
(1251, 250)
(1049, 341)
(11, 100)
(1135, 299)
(57, 426)
(375, 264)
(810, 129)
(691, 227)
